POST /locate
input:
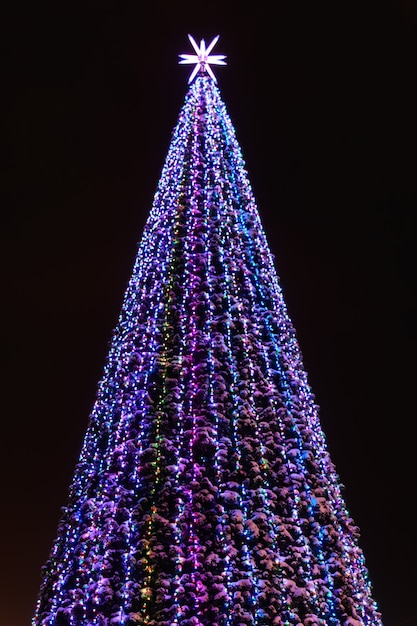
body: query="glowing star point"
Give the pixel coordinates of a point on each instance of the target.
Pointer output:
(202, 58)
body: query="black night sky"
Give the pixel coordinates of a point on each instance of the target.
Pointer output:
(322, 97)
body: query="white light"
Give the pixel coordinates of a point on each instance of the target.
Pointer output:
(202, 58)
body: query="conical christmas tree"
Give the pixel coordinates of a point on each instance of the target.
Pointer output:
(204, 493)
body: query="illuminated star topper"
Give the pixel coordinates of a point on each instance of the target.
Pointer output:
(202, 58)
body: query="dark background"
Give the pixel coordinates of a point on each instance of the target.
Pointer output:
(322, 97)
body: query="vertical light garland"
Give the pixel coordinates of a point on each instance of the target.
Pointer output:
(191, 546)
(240, 514)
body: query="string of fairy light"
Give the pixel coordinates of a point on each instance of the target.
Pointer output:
(217, 199)
(231, 290)
(168, 188)
(212, 200)
(242, 502)
(152, 300)
(191, 324)
(238, 252)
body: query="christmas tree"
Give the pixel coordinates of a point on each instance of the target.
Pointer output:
(204, 494)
